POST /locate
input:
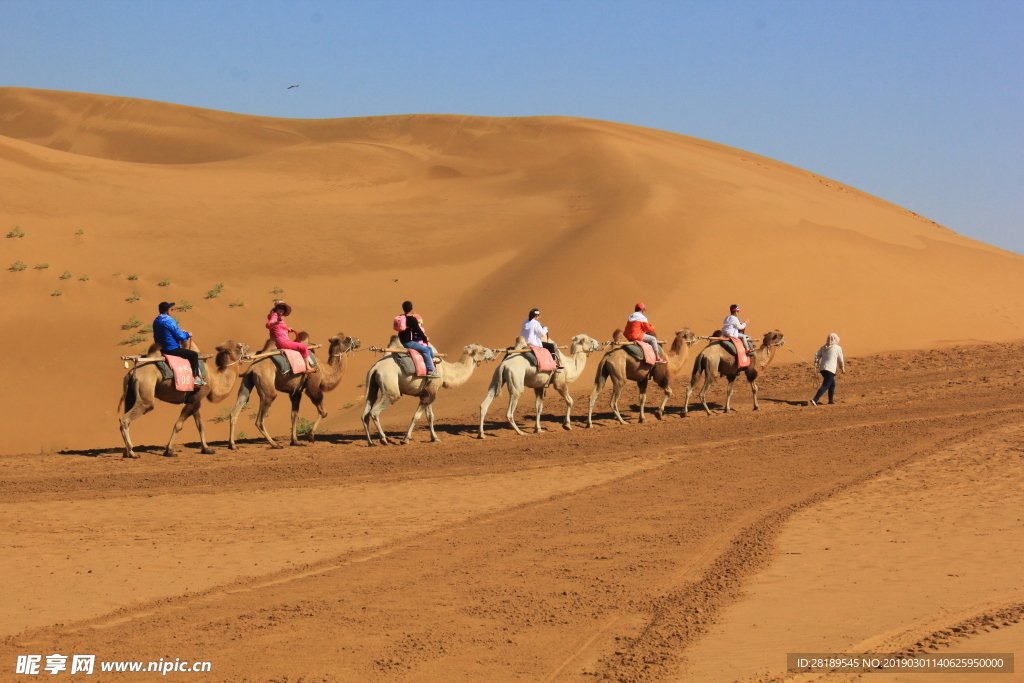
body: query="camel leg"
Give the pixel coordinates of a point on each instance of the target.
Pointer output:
(599, 381)
(420, 409)
(492, 393)
(296, 398)
(267, 396)
(206, 450)
(187, 411)
(753, 388)
(379, 408)
(430, 422)
(539, 408)
(660, 413)
(513, 402)
(709, 379)
(316, 397)
(137, 411)
(616, 390)
(244, 392)
(689, 392)
(728, 394)
(564, 392)
(642, 386)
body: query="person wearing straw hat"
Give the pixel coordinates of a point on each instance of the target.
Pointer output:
(279, 329)
(828, 360)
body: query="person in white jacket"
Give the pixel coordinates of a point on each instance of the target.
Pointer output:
(536, 334)
(829, 360)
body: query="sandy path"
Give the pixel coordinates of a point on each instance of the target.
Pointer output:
(79, 559)
(913, 551)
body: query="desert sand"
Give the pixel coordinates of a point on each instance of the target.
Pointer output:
(702, 548)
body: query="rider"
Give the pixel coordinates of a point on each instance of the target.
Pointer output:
(279, 329)
(410, 330)
(732, 327)
(167, 334)
(534, 333)
(638, 329)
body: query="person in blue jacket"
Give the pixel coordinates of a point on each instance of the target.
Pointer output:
(169, 336)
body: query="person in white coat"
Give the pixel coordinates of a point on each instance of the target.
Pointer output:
(536, 334)
(828, 361)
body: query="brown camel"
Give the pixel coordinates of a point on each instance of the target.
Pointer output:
(265, 377)
(518, 374)
(714, 360)
(619, 365)
(386, 382)
(144, 385)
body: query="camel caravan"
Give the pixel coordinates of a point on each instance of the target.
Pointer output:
(174, 371)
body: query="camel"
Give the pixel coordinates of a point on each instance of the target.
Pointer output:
(264, 376)
(518, 373)
(620, 365)
(386, 382)
(714, 360)
(144, 384)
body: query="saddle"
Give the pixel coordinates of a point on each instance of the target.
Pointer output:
(180, 371)
(288, 360)
(642, 351)
(412, 363)
(732, 345)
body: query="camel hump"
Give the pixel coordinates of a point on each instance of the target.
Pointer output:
(520, 343)
(268, 346)
(155, 350)
(618, 337)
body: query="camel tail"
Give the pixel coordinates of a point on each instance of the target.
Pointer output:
(373, 388)
(128, 393)
(700, 365)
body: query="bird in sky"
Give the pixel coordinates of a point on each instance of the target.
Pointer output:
(291, 86)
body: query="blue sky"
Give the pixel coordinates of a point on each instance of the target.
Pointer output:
(917, 102)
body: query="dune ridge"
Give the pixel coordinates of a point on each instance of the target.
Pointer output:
(476, 219)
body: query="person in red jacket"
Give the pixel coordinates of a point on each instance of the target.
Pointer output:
(639, 329)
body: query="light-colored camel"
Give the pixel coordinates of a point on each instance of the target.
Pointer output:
(386, 382)
(268, 381)
(714, 360)
(518, 374)
(144, 385)
(620, 365)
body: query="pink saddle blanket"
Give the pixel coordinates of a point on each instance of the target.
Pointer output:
(742, 359)
(295, 360)
(545, 360)
(182, 369)
(418, 362)
(650, 357)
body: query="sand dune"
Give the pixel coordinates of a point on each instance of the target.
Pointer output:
(476, 219)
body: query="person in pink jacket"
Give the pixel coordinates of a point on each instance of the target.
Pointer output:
(279, 329)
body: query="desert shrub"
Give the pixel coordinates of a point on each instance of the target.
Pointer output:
(16, 232)
(277, 290)
(16, 266)
(84, 278)
(133, 277)
(80, 232)
(184, 306)
(134, 339)
(42, 266)
(163, 283)
(56, 292)
(237, 303)
(215, 292)
(303, 426)
(132, 323)
(66, 275)
(241, 435)
(146, 329)
(223, 416)
(134, 297)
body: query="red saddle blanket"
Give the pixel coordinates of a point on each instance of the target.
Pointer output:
(295, 361)
(182, 369)
(418, 362)
(545, 359)
(742, 359)
(650, 356)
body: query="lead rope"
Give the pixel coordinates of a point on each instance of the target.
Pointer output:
(814, 381)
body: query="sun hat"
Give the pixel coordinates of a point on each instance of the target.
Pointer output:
(286, 307)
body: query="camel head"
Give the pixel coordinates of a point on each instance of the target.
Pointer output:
(582, 342)
(229, 352)
(477, 353)
(683, 337)
(773, 338)
(340, 343)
